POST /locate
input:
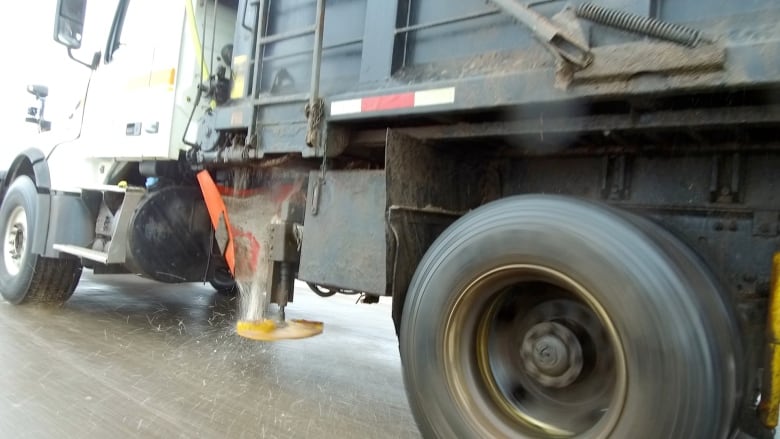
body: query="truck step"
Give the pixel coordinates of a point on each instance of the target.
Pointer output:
(117, 246)
(83, 252)
(107, 188)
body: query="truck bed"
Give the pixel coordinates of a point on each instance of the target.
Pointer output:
(483, 57)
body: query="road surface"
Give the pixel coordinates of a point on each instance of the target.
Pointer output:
(127, 357)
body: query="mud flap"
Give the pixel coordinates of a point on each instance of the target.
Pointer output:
(223, 233)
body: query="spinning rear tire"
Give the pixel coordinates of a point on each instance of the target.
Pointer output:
(540, 316)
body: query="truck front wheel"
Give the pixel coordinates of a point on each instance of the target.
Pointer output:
(24, 275)
(539, 316)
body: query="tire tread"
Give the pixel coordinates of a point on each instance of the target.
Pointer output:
(53, 280)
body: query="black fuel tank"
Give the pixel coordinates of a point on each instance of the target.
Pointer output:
(170, 236)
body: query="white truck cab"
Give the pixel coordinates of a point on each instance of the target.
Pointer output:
(100, 192)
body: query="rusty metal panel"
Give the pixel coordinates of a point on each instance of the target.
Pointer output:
(428, 188)
(344, 245)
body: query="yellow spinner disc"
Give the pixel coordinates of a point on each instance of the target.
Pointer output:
(271, 330)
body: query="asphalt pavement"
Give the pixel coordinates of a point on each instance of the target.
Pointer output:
(127, 357)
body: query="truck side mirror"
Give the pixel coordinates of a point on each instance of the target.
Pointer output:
(69, 22)
(39, 91)
(35, 114)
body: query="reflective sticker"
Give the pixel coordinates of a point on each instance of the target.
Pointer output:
(345, 107)
(389, 102)
(239, 76)
(424, 98)
(166, 77)
(439, 96)
(237, 92)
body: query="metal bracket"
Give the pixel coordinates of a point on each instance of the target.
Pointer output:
(725, 178)
(314, 113)
(315, 199)
(615, 178)
(558, 40)
(314, 107)
(283, 247)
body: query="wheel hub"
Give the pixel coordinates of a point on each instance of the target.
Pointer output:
(552, 355)
(548, 359)
(15, 241)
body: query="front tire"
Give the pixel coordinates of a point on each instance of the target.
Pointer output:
(539, 316)
(26, 277)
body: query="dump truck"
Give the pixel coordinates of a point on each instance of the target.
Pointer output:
(573, 204)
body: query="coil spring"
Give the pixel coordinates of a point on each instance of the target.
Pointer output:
(639, 24)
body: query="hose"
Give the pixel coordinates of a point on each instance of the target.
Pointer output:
(639, 24)
(184, 140)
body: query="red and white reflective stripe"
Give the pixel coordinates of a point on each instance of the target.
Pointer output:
(424, 98)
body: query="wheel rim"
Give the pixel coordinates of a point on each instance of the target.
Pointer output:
(532, 351)
(15, 241)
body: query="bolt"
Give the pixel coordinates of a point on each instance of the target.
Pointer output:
(543, 352)
(718, 226)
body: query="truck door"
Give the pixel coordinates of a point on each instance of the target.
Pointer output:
(129, 104)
